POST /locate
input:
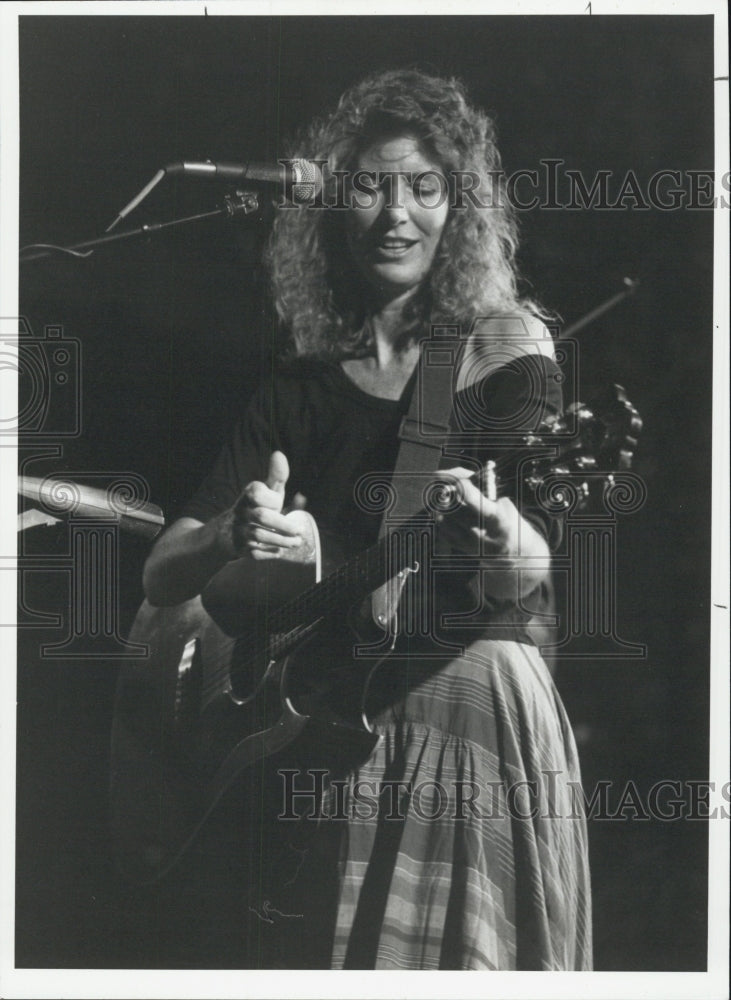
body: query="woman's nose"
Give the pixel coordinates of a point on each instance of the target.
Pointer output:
(395, 202)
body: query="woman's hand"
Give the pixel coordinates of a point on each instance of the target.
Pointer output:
(515, 556)
(189, 553)
(255, 524)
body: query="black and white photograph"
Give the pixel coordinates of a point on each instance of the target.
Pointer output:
(365, 599)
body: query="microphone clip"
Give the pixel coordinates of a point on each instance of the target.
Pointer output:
(241, 203)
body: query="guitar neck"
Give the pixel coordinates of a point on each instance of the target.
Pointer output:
(355, 579)
(572, 446)
(350, 582)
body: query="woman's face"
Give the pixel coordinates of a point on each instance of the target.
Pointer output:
(394, 226)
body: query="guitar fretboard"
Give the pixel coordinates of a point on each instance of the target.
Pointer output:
(364, 573)
(339, 589)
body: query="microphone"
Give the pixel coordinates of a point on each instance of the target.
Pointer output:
(63, 496)
(300, 180)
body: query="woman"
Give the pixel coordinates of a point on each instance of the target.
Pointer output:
(502, 884)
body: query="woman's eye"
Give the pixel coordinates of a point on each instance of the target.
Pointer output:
(428, 188)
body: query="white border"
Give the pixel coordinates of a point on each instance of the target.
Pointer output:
(720, 746)
(712, 985)
(382, 8)
(9, 162)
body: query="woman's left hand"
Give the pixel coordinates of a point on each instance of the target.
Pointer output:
(514, 554)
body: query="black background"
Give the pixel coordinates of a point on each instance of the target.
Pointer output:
(172, 339)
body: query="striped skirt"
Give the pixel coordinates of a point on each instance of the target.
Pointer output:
(461, 842)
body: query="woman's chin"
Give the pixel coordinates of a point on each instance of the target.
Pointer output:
(390, 288)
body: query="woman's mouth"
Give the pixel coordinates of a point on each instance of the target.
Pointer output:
(393, 246)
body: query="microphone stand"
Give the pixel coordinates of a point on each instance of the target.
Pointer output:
(630, 287)
(236, 204)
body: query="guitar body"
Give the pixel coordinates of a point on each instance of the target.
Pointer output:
(205, 704)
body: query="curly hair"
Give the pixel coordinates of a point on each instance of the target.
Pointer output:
(318, 294)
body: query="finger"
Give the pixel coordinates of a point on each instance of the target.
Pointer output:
(259, 494)
(489, 546)
(464, 530)
(278, 472)
(466, 492)
(474, 523)
(254, 546)
(470, 539)
(261, 552)
(262, 536)
(263, 517)
(474, 504)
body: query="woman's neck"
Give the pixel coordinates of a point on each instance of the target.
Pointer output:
(391, 343)
(393, 355)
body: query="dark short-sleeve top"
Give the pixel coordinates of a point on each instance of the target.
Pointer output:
(333, 433)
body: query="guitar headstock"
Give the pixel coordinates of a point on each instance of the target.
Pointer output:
(590, 442)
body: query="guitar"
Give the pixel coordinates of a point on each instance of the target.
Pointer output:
(230, 682)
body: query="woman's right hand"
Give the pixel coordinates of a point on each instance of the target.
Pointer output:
(255, 525)
(190, 553)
